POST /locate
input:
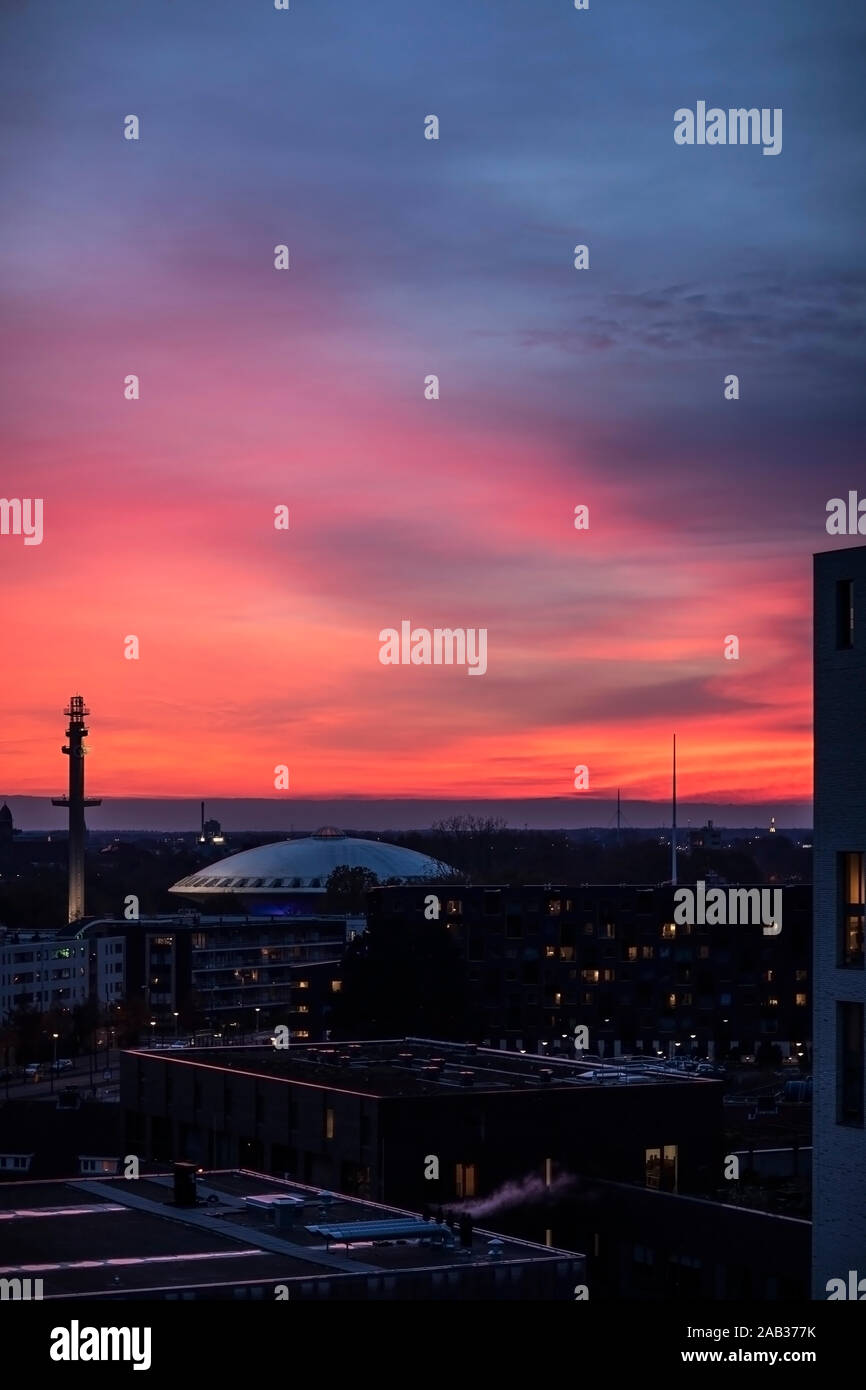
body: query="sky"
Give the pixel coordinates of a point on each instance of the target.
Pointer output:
(305, 388)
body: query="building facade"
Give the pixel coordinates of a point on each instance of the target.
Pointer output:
(839, 1201)
(544, 960)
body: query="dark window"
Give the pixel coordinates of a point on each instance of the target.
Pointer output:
(844, 613)
(849, 1064)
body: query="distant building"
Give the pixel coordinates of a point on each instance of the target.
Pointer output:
(40, 972)
(368, 1117)
(236, 972)
(289, 878)
(839, 1203)
(245, 1236)
(544, 959)
(709, 837)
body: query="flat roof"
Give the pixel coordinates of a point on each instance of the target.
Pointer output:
(87, 1238)
(422, 1067)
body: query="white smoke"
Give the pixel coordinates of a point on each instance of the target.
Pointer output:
(523, 1192)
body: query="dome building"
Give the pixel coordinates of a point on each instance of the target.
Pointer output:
(288, 878)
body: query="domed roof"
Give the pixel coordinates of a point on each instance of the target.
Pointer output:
(305, 866)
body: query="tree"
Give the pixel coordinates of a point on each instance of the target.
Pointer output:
(347, 887)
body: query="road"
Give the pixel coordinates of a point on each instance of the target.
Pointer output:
(80, 1075)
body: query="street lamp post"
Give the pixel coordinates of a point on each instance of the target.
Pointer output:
(176, 1023)
(55, 1036)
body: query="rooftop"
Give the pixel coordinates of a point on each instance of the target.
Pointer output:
(90, 1238)
(423, 1067)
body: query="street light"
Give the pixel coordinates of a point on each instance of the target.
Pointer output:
(176, 1017)
(55, 1036)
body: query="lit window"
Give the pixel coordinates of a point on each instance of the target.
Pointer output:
(800, 1001)
(329, 1123)
(454, 906)
(589, 977)
(557, 1000)
(853, 898)
(669, 930)
(336, 986)
(647, 952)
(772, 1002)
(302, 984)
(631, 953)
(550, 952)
(464, 1179)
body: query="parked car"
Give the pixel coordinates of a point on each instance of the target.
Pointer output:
(63, 1064)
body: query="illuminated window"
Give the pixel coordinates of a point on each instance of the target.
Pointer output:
(566, 953)
(852, 893)
(608, 975)
(554, 907)
(302, 1009)
(769, 976)
(671, 1001)
(631, 953)
(661, 1168)
(557, 1000)
(647, 952)
(800, 974)
(464, 1179)
(800, 1001)
(329, 1123)
(336, 986)
(772, 1002)
(550, 952)
(608, 930)
(589, 977)
(301, 984)
(454, 906)
(300, 1033)
(669, 930)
